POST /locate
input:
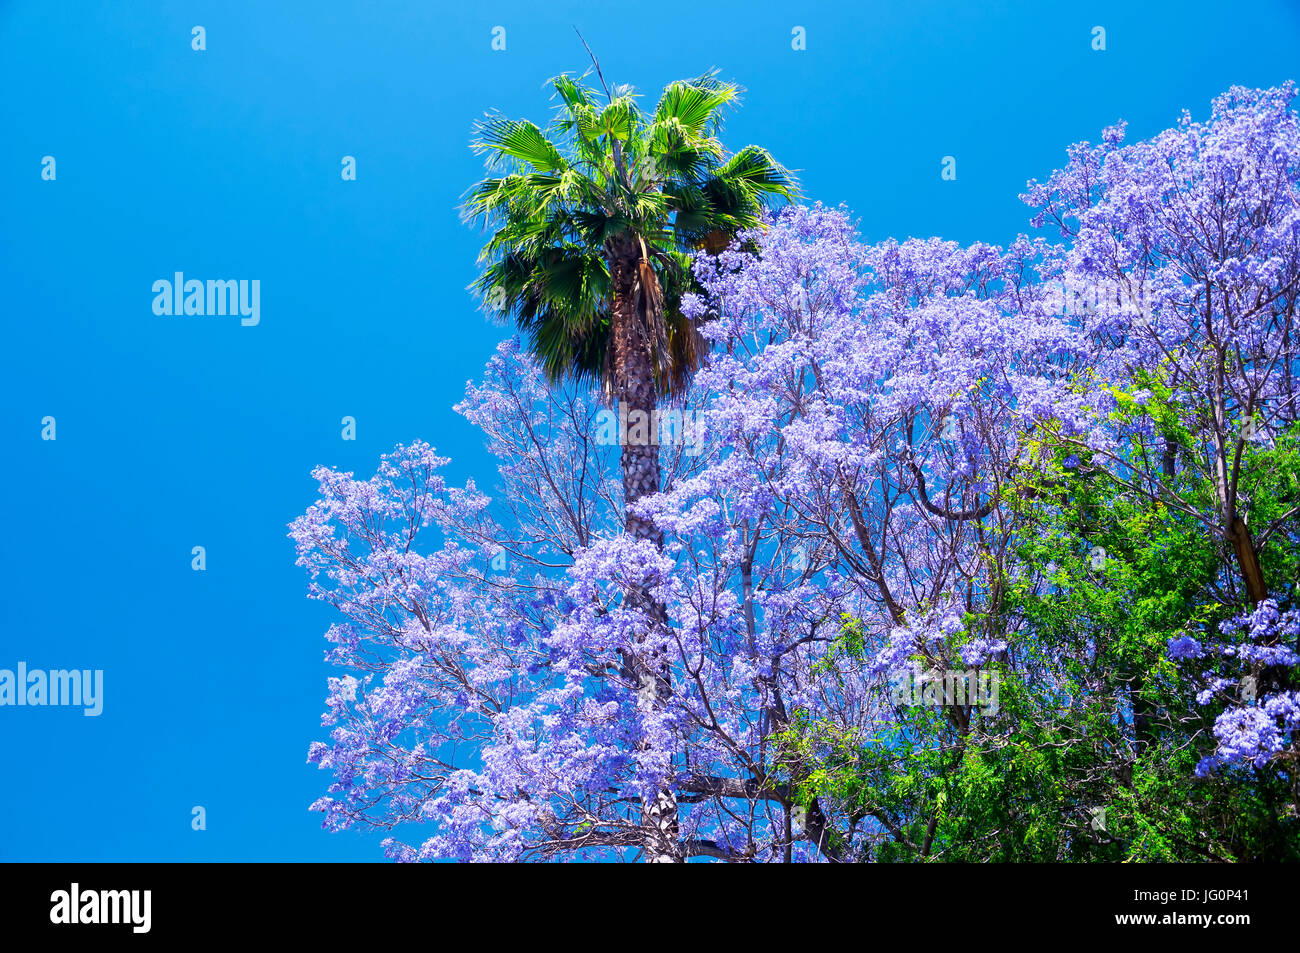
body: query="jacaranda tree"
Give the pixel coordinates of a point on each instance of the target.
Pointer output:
(914, 461)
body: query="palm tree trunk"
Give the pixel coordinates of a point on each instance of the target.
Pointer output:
(636, 390)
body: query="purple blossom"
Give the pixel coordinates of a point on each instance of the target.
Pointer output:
(1185, 647)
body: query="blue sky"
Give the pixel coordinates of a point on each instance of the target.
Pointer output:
(174, 432)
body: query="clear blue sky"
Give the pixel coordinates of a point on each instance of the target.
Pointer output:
(176, 432)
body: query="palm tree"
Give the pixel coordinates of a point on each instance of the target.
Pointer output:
(593, 222)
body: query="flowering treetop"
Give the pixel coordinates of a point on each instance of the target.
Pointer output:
(873, 419)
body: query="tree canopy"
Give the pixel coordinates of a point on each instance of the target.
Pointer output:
(968, 553)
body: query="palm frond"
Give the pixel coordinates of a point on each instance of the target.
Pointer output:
(696, 104)
(754, 172)
(605, 183)
(518, 139)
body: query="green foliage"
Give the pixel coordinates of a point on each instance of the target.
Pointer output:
(608, 181)
(1093, 714)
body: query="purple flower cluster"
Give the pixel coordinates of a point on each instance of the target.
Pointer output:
(1250, 730)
